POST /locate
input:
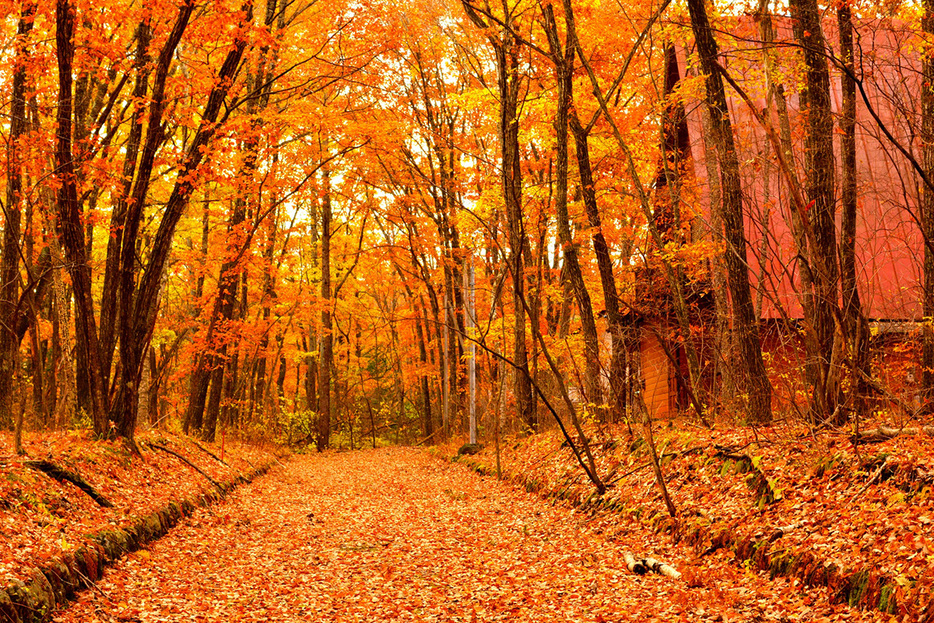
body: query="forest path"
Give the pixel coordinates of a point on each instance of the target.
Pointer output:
(397, 535)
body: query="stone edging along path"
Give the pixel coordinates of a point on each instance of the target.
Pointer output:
(35, 598)
(864, 588)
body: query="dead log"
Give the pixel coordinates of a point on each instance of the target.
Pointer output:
(662, 569)
(884, 433)
(470, 449)
(641, 566)
(634, 565)
(64, 475)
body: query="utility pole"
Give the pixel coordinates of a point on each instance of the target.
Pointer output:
(446, 380)
(469, 323)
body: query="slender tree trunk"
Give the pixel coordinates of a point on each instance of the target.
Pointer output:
(672, 274)
(617, 323)
(822, 371)
(509, 82)
(111, 294)
(420, 331)
(56, 362)
(470, 317)
(857, 328)
(197, 382)
(311, 377)
(563, 58)
(325, 353)
(927, 206)
(259, 385)
(725, 347)
(280, 382)
(216, 392)
(446, 370)
(39, 352)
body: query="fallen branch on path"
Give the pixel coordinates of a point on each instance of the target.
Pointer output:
(641, 566)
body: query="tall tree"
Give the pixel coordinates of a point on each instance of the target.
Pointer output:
(70, 221)
(326, 339)
(139, 300)
(671, 270)
(745, 323)
(507, 48)
(927, 203)
(10, 305)
(562, 55)
(822, 366)
(856, 326)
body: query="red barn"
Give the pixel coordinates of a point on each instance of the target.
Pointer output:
(889, 245)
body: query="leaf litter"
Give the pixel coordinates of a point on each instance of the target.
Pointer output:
(397, 535)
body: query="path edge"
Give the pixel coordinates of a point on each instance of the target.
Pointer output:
(35, 598)
(863, 588)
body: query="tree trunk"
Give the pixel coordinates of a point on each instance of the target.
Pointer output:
(725, 350)
(70, 221)
(311, 377)
(10, 253)
(563, 58)
(857, 328)
(139, 318)
(66, 402)
(325, 353)
(927, 205)
(110, 294)
(509, 85)
(617, 323)
(420, 319)
(745, 324)
(823, 375)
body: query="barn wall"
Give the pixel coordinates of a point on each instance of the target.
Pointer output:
(656, 373)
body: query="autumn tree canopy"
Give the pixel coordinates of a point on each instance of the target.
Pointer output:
(338, 222)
